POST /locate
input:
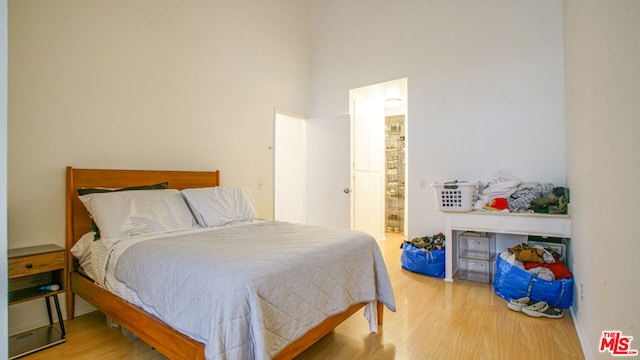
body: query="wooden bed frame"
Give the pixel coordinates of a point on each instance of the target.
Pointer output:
(149, 328)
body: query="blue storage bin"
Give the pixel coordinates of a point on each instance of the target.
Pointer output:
(511, 282)
(429, 262)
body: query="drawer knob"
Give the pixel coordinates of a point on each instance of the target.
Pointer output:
(29, 265)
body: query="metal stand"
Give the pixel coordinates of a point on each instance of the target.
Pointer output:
(38, 339)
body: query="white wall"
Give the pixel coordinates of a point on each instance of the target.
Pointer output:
(149, 84)
(602, 49)
(3, 181)
(485, 85)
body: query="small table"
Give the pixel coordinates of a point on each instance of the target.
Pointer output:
(30, 270)
(501, 223)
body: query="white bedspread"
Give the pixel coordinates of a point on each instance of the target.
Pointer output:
(248, 291)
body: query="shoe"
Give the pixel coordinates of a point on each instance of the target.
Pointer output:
(518, 304)
(539, 306)
(551, 312)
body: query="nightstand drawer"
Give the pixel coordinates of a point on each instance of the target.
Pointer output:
(29, 265)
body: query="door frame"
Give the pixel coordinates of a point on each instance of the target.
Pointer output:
(383, 92)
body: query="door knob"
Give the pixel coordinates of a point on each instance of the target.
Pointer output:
(346, 191)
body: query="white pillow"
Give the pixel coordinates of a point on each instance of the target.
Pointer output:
(82, 248)
(217, 206)
(137, 212)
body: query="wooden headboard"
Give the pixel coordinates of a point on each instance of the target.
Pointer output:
(77, 217)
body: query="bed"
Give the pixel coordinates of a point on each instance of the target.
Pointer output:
(273, 336)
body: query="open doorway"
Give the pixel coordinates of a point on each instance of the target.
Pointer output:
(378, 152)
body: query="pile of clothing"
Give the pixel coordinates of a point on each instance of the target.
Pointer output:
(505, 192)
(428, 243)
(538, 261)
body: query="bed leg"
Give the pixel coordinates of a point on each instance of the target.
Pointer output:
(380, 310)
(71, 302)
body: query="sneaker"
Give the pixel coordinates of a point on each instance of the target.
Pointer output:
(551, 312)
(518, 304)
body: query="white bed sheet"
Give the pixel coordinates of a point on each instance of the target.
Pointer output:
(247, 290)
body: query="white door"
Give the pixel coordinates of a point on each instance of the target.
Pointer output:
(367, 209)
(290, 137)
(328, 172)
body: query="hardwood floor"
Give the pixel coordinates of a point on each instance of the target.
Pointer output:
(434, 320)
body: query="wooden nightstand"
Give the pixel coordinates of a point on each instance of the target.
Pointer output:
(30, 269)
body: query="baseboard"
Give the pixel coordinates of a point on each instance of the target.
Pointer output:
(82, 307)
(584, 343)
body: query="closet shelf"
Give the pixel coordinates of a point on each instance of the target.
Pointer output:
(394, 173)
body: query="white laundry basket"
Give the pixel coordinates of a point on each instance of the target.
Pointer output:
(455, 196)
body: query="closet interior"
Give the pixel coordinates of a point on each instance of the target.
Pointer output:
(394, 173)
